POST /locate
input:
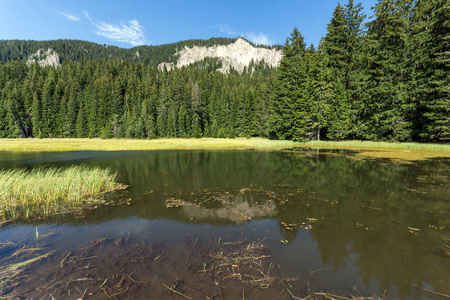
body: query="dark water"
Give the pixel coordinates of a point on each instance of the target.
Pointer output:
(335, 224)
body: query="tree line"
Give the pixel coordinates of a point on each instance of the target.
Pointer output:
(386, 79)
(76, 50)
(113, 98)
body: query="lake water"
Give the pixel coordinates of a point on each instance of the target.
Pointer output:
(241, 225)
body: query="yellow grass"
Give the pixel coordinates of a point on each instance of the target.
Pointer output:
(136, 144)
(401, 151)
(42, 192)
(394, 151)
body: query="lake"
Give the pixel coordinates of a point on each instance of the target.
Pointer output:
(240, 224)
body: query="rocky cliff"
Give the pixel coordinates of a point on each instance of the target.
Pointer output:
(237, 55)
(45, 58)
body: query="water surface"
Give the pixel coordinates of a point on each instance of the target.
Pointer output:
(332, 223)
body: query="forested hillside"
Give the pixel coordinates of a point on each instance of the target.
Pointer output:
(120, 99)
(387, 79)
(76, 50)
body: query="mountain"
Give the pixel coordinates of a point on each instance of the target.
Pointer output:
(238, 56)
(45, 58)
(76, 50)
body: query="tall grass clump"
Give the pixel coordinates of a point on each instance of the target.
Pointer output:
(41, 192)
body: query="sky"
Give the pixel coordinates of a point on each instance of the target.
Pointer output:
(154, 22)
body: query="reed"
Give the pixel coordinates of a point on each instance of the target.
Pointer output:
(41, 192)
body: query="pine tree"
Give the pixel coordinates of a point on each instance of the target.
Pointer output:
(388, 95)
(27, 100)
(343, 44)
(2, 114)
(197, 109)
(197, 133)
(264, 96)
(71, 119)
(14, 111)
(322, 89)
(249, 114)
(36, 116)
(335, 44)
(431, 29)
(47, 105)
(287, 118)
(80, 125)
(163, 111)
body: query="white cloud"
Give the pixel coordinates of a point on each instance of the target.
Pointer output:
(85, 13)
(259, 39)
(68, 16)
(225, 28)
(131, 33)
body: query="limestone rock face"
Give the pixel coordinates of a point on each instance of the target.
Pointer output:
(237, 55)
(45, 58)
(168, 66)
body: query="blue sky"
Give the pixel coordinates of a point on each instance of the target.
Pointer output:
(155, 22)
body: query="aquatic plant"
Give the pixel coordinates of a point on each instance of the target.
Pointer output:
(41, 192)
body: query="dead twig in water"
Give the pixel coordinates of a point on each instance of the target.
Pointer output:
(318, 270)
(427, 290)
(289, 291)
(7, 273)
(115, 294)
(64, 258)
(331, 296)
(154, 278)
(181, 294)
(136, 281)
(159, 255)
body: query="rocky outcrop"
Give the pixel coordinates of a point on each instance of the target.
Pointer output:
(237, 55)
(45, 58)
(167, 66)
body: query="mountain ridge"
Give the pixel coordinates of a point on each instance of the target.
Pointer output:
(238, 56)
(77, 50)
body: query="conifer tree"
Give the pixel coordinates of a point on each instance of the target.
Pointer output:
(36, 116)
(287, 118)
(431, 29)
(388, 96)
(2, 115)
(80, 125)
(343, 44)
(322, 89)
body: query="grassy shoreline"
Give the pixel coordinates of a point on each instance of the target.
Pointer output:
(137, 144)
(402, 151)
(41, 192)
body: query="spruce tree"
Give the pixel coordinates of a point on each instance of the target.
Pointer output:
(431, 29)
(388, 94)
(287, 118)
(80, 125)
(343, 44)
(322, 84)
